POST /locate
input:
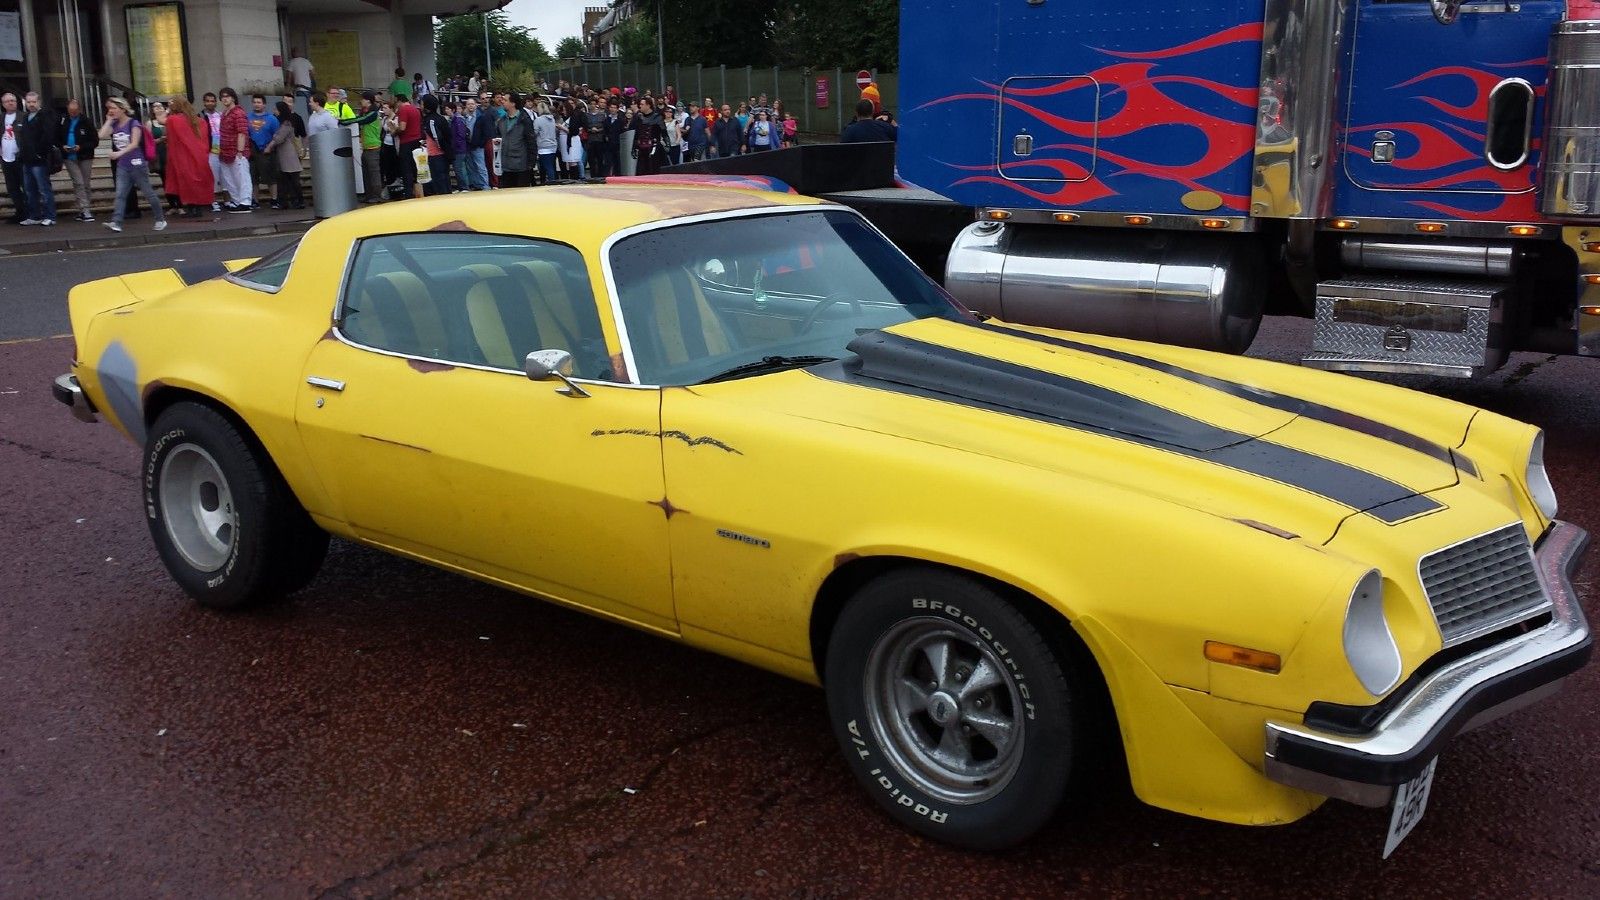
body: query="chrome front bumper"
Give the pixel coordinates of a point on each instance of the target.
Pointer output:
(1452, 698)
(68, 391)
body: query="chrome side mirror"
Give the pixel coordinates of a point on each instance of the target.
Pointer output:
(1446, 11)
(543, 365)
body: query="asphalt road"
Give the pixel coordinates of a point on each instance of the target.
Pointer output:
(396, 728)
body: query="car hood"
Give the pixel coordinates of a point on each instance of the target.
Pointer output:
(1106, 410)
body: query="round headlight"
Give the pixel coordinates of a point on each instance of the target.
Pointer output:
(1544, 496)
(1368, 643)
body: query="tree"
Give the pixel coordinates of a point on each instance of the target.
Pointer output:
(569, 48)
(458, 43)
(846, 34)
(636, 42)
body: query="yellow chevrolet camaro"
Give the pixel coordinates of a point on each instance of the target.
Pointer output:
(1013, 557)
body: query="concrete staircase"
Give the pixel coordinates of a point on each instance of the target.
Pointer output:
(102, 191)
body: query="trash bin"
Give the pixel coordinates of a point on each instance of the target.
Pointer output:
(333, 178)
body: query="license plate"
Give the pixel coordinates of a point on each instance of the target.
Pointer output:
(1410, 802)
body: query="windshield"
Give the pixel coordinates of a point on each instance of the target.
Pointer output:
(702, 299)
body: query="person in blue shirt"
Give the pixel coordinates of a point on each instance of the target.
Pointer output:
(699, 135)
(78, 137)
(263, 165)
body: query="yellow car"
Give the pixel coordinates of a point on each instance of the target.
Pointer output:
(1013, 557)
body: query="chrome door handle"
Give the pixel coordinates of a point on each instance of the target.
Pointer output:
(329, 383)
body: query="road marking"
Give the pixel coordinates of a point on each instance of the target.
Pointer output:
(34, 340)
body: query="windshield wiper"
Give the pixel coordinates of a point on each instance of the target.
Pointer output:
(767, 364)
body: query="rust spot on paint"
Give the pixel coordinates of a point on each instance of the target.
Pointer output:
(453, 225)
(671, 200)
(666, 506)
(149, 391)
(674, 434)
(845, 559)
(427, 365)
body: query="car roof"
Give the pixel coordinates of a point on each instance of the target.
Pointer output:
(575, 213)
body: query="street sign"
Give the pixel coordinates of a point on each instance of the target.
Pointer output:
(822, 93)
(863, 78)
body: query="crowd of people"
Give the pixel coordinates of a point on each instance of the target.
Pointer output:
(417, 139)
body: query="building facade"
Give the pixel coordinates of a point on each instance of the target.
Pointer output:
(96, 48)
(603, 25)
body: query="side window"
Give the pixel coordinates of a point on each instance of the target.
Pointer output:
(486, 300)
(269, 271)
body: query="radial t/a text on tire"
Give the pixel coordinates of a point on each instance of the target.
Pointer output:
(953, 709)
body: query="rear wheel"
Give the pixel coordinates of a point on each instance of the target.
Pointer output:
(224, 522)
(952, 709)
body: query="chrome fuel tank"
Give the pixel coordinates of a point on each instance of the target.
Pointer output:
(1194, 290)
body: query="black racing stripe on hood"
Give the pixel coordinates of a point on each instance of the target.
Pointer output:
(194, 273)
(1311, 410)
(890, 362)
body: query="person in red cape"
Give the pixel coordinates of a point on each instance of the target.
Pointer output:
(188, 173)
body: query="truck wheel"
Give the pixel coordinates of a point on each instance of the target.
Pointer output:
(224, 522)
(952, 709)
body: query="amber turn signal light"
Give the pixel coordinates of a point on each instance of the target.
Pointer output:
(998, 215)
(1523, 230)
(1137, 220)
(1214, 223)
(1234, 655)
(1343, 224)
(1429, 227)
(1066, 217)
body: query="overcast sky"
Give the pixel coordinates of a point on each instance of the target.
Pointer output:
(555, 19)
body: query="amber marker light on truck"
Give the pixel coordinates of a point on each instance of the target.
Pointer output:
(1591, 247)
(1524, 230)
(1429, 227)
(1214, 223)
(1343, 224)
(1137, 220)
(1592, 278)
(998, 215)
(1234, 655)
(1589, 310)
(1066, 218)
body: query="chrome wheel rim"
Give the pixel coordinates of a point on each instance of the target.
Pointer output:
(945, 709)
(197, 507)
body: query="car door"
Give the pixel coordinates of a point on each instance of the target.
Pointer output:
(432, 441)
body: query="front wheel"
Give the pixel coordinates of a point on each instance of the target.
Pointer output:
(952, 709)
(224, 522)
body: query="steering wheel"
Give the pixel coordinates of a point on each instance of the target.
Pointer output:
(830, 300)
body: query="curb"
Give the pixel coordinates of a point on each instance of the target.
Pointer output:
(146, 237)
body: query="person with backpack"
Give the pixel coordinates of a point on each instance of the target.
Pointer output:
(436, 137)
(127, 154)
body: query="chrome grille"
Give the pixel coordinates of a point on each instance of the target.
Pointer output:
(1482, 584)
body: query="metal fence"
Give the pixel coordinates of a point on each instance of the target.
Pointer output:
(821, 100)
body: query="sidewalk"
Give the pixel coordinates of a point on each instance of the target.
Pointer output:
(70, 234)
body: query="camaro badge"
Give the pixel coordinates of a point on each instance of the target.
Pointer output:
(763, 543)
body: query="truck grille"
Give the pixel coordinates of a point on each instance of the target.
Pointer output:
(1482, 584)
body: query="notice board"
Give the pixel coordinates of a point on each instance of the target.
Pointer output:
(157, 49)
(336, 55)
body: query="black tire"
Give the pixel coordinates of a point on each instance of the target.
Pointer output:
(997, 801)
(265, 546)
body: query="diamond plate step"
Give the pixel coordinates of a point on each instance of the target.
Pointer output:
(1427, 326)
